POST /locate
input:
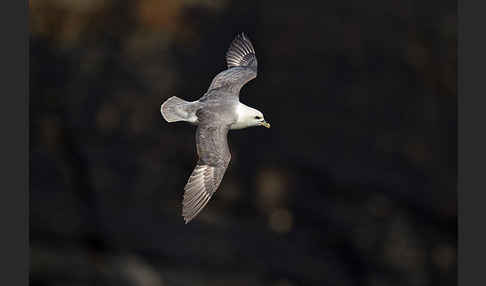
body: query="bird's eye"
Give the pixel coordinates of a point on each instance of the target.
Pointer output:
(258, 117)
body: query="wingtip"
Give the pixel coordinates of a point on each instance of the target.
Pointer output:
(240, 52)
(242, 35)
(188, 219)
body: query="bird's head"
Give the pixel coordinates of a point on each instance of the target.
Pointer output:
(249, 117)
(259, 120)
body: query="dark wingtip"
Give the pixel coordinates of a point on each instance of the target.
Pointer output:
(187, 219)
(243, 36)
(240, 52)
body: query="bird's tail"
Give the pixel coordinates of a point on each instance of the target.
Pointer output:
(176, 109)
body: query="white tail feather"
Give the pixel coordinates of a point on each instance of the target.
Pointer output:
(176, 109)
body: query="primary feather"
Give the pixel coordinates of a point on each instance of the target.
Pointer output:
(241, 52)
(214, 157)
(242, 66)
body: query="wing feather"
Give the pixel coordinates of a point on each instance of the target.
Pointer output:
(214, 157)
(242, 65)
(241, 53)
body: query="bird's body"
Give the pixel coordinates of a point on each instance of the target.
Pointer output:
(215, 113)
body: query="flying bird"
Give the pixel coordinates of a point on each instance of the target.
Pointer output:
(215, 113)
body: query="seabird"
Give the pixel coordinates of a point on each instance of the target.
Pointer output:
(215, 113)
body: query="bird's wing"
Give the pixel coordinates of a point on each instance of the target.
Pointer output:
(214, 157)
(241, 62)
(241, 53)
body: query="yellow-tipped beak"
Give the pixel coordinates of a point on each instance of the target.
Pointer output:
(265, 124)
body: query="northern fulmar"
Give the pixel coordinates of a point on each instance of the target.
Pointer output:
(215, 113)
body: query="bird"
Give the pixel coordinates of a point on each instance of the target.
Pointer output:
(216, 112)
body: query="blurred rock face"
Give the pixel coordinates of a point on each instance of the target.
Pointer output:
(353, 185)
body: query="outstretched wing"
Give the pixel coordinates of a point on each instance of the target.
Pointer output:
(242, 65)
(214, 157)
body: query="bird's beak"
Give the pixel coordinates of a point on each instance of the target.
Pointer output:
(265, 124)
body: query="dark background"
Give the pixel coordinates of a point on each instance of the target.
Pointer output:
(354, 184)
